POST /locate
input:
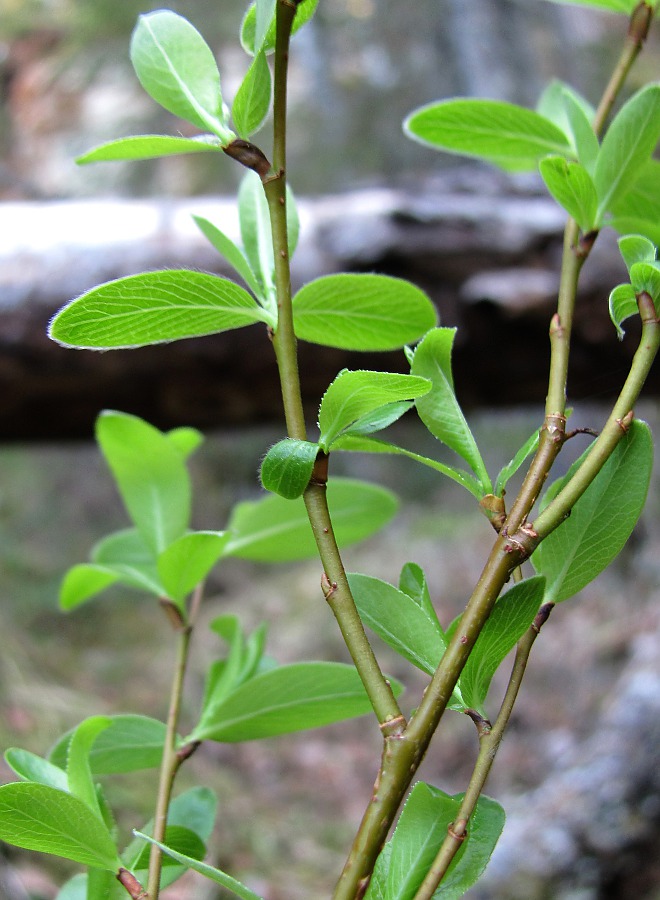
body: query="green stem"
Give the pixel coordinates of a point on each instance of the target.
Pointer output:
(169, 765)
(489, 742)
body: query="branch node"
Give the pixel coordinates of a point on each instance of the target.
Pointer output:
(640, 23)
(393, 727)
(328, 587)
(457, 830)
(542, 616)
(484, 725)
(131, 884)
(625, 423)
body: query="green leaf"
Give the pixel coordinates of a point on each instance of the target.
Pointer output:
(365, 444)
(150, 474)
(439, 409)
(277, 530)
(362, 312)
(128, 744)
(149, 146)
(305, 11)
(286, 699)
(412, 582)
(628, 225)
(257, 237)
(154, 308)
(288, 466)
(186, 562)
(74, 889)
(178, 838)
(421, 829)
(512, 615)
(645, 277)
(635, 248)
(622, 305)
(602, 519)
(400, 621)
(642, 199)
(30, 767)
(571, 186)
(252, 100)
(380, 418)
(42, 818)
(84, 581)
(215, 875)
(498, 132)
(627, 146)
(177, 68)
(353, 395)
(233, 254)
(127, 554)
(509, 470)
(562, 105)
(78, 768)
(618, 6)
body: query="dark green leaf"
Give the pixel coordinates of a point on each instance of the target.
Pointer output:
(42, 818)
(154, 308)
(151, 476)
(252, 100)
(399, 620)
(287, 467)
(362, 312)
(215, 875)
(511, 617)
(627, 146)
(602, 519)
(286, 699)
(150, 146)
(353, 395)
(489, 129)
(187, 562)
(439, 409)
(277, 530)
(128, 744)
(178, 69)
(571, 186)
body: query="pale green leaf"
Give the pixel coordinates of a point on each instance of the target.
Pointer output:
(304, 12)
(257, 237)
(353, 395)
(127, 554)
(412, 581)
(233, 254)
(84, 581)
(622, 305)
(602, 519)
(287, 467)
(645, 278)
(562, 105)
(510, 469)
(150, 146)
(634, 248)
(128, 744)
(177, 68)
(185, 439)
(188, 560)
(362, 312)
(154, 308)
(571, 186)
(277, 530)
(78, 768)
(619, 6)
(42, 818)
(439, 409)
(493, 130)
(30, 767)
(252, 100)
(642, 200)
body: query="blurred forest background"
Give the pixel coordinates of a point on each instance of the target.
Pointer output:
(289, 806)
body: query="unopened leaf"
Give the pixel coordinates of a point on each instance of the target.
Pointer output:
(42, 818)
(362, 312)
(602, 519)
(287, 467)
(353, 395)
(154, 308)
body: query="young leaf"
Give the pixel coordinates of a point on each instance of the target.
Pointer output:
(365, 444)
(84, 581)
(642, 200)
(619, 6)
(127, 554)
(178, 838)
(634, 248)
(177, 68)
(488, 129)
(511, 617)
(579, 115)
(286, 699)
(128, 744)
(78, 769)
(30, 767)
(185, 439)
(571, 186)
(305, 11)
(154, 308)
(509, 470)
(151, 476)
(277, 530)
(234, 256)
(252, 100)
(288, 466)
(362, 312)
(400, 621)
(627, 146)
(412, 582)
(439, 409)
(187, 562)
(380, 418)
(623, 305)
(353, 395)
(149, 146)
(226, 881)
(42, 818)
(645, 277)
(602, 519)
(257, 237)
(417, 838)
